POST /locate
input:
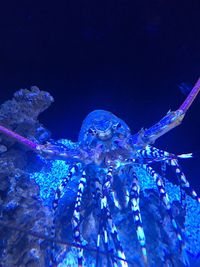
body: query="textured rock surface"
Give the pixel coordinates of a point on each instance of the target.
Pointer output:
(27, 187)
(19, 196)
(21, 113)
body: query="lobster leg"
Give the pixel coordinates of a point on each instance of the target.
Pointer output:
(165, 199)
(61, 188)
(107, 187)
(134, 201)
(170, 121)
(113, 231)
(105, 219)
(116, 240)
(102, 228)
(152, 154)
(102, 192)
(76, 217)
(185, 185)
(58, 195)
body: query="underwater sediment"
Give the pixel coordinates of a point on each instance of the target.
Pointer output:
(27, 188)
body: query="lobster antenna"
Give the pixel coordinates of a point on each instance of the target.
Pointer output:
(191, 97)
(55, 240)
(18, 137)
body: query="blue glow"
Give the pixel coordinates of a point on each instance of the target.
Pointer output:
(192, 218)
(70, 260)
(50, 177)
(52, 173)
(192, 226)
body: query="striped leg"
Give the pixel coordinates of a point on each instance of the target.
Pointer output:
(102, 222)
(60, 190)
(106, 218)
(165, 199)
(76, 217)
(152, 154)
(107, 187)
(163, 169)
(58, 195)
(104, 205)
(185, 185)
(107, 191)
(134, 201)
(127, 197)
(116, 240)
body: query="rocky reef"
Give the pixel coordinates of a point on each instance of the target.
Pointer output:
(27, 187)
(19, 196)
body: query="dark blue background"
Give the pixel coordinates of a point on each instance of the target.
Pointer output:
(124, 56)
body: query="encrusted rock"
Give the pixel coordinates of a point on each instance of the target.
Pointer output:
(20, 200)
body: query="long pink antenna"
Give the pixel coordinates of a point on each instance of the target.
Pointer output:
(18, 137)
(191, 97)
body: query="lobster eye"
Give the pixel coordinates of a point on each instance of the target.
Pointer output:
(91, 131)
(117, 125)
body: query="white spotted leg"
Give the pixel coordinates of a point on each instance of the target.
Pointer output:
(134, 202)
(101, 192)
(61, 188)
(152, 154)
(106, 219)
(107, 187)
(184, 183)
(76, 217)
(165, 199)
(58, 195)
(116, 240)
